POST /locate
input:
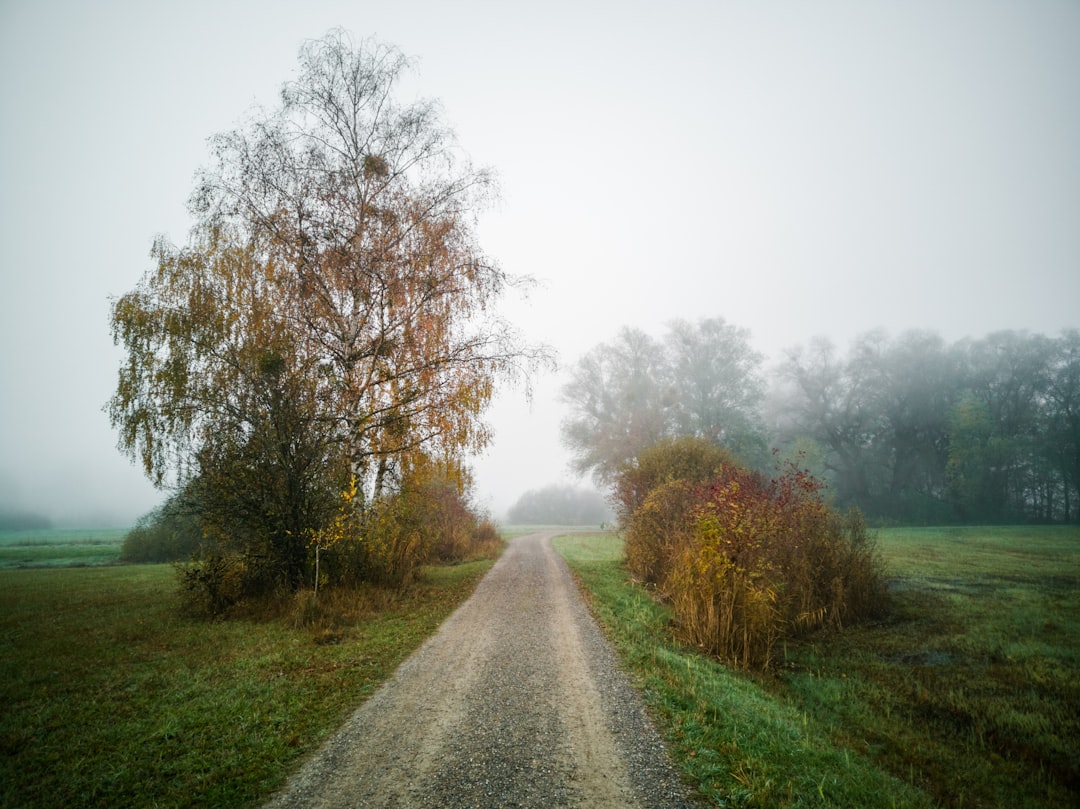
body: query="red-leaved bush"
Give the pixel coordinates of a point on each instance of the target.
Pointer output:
(746, 560)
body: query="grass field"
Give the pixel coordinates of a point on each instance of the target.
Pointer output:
(966, 697)
(109, 698)
(60, 548)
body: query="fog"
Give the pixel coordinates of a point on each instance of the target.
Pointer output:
(797, 169)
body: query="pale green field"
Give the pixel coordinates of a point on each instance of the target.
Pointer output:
(75, 547)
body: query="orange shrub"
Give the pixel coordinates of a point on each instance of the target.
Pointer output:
(659, 527)
(746, 561)
(691, 460)
(654, 498)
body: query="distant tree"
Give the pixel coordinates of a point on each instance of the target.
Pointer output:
(1061, 442)
(559, 505)
(716, 376)
(701, 380)
(832, 407)
(331, 318)
(912, 382)
(1009, 374)
(904, 428)
(975, 456)
(918, 431)
(170, 533)
(23, 521)
(620, 398)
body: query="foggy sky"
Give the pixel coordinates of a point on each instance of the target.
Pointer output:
(797, 169)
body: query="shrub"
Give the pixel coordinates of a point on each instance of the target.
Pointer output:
(486, 539)
(658, 528)
(428, 519)
(745, 560)
(384, 550)
(435, 504)
(766, 559)
(442, 514)
(170, 533)
(211, 586)
(383, 542)
(692, 460)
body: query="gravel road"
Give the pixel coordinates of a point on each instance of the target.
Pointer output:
(517, 701)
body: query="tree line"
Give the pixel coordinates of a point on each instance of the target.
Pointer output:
(559, 505)
(907, 428)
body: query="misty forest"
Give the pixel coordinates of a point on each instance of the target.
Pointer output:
(908, 429)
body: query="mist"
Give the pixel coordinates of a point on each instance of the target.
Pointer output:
(796, 170)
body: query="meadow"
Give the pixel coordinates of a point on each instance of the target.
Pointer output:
(60, 548)
(966, 696)
(110, 697)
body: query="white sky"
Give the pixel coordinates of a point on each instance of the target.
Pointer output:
(796, 168)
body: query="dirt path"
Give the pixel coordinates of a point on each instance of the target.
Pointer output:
(516, 702)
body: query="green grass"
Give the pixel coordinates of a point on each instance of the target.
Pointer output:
(60, 548)
(973, 686)
(109, 698)
(966, 697)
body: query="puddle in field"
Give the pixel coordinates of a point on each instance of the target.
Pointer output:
(926, 659)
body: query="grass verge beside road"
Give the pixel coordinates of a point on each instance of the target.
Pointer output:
(966, 697)
(109, 698)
